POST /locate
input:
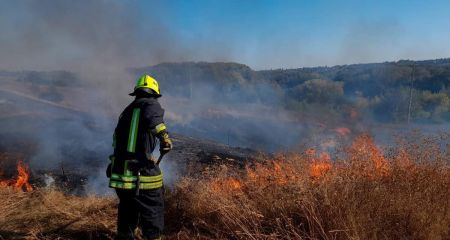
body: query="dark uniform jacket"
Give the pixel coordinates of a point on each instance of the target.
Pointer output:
(134, 142)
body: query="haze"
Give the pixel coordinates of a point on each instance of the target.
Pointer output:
(79, 35)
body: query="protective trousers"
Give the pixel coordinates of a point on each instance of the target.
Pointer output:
(145, 210)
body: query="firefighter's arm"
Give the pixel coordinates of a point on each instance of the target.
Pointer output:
(155, 113)
(165, 143)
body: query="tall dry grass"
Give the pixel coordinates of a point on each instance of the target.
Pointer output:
(50, 214)
(365, 193)
(360, 192)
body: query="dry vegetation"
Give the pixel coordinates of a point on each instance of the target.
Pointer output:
(49, 214)
(361, 192)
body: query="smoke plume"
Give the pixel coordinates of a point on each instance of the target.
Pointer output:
(103, 43)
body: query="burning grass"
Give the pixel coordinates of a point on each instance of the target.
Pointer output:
(363, 193)
(360, 192)
(22, 180)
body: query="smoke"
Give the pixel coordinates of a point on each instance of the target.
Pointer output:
(98, 41)
(101, 40)
(73, 35)
(234, 105)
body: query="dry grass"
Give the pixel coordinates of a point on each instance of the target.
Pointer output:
(49, 214)
(403, 194)
(361, 193)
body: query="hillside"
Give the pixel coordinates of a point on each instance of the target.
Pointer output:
(382, 91)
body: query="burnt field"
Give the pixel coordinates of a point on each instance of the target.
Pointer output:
(361, 191)
(74, 177)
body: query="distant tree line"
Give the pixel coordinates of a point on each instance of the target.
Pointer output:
(382, 91)
(388, 92)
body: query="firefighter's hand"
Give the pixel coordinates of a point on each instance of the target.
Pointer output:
(165, 143)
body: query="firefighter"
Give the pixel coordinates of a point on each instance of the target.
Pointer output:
(133, 172)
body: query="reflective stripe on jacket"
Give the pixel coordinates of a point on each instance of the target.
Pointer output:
(134, 141)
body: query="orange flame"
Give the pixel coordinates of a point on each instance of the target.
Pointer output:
(319, 168)
(233, 184)
(366, 159)
(21, 183)
(363, 147)
(276, 171)
(320, 165)
(229, 184)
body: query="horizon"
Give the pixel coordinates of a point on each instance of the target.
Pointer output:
(300, 67)
(214, 62)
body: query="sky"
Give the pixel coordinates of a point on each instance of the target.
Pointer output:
(264, 34)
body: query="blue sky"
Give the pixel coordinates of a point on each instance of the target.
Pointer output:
(268, 34)
(263, 34)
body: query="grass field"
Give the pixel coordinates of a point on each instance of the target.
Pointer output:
(359, 192)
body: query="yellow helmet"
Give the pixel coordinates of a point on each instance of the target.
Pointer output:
(147, 84)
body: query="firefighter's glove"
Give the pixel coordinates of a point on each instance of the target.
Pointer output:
(165, 144)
